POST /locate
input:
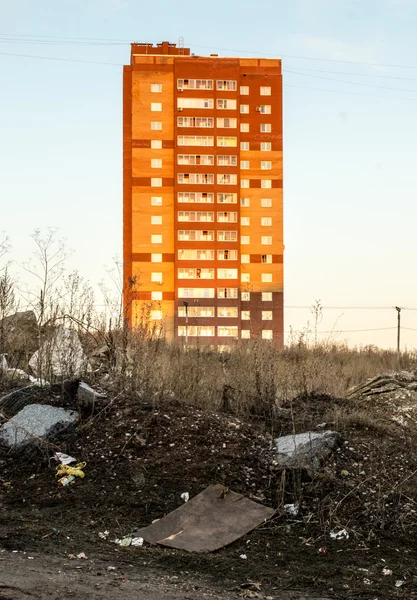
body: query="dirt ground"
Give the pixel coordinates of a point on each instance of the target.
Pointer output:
(141, 458)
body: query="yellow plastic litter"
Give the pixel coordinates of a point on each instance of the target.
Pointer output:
(67, 470)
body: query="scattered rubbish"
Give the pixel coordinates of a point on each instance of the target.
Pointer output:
(124, 542)
(339, 535)
(87, 396)
(185, 496)
(64, 459)
(35, 422)
(243, 557)
(344, 473)
(291, 509)
(386, 571)
(305, 450)
(112, 568)
(207, 522)
(104, 535)
(250, 585)
(68, 474)
(323, 550)
(400, 582)
(65, 354)
(3, 364)
(81, 555)
(137, 541)
(367, 581)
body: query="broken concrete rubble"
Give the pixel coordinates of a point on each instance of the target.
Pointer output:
(305, 450)
(34, 423)
(61, 355)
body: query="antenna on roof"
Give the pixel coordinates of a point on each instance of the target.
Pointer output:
(181, 45)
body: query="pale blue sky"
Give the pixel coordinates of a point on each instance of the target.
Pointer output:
(350, 150)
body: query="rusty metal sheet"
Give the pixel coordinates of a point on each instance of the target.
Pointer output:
(209, 521)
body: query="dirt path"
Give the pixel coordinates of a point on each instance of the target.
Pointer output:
(31, 576)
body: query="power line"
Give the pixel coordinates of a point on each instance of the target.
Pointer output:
(73, 60)
(315, 89)
(349, 307)
(358, 74)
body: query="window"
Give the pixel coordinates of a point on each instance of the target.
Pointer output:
(244, 90)
(267, 334)
(266, 202)
(245, 202)
(244, 145)
(204, 122)
(156, 144)
(195, 254)
(201, 178)
(226, 104)
(266, 221)
(199, 217)
(266, 127)
(227, 86)
(265, 109)
(156, 87)
(156, 125)
(244, 127)
(195, 273)
(156, 163)
(266, 240)
(245, 296)
(156, 181)
(156, 200)
(227, 236)
(227, 160)
(226, 141)
(266, 277)
(156, 315)
(245, 277)
(266, 146)
(265, 91)
(227, 331)
(196, 331)
(266, 183)
(191, 235)
(228, 311)
(226, 273)
(227, 292)
(245, 221)
(266, 259)
(245, 239)
(244, 164)
(244, 183)
(156, 277)
(226, 123)
(245, 334)
(244, 109)
(245, 315)
(196, 311)
(195, 140)
(195, 159)
(156, 106)
(196, 197)
(156, 220)
(156, 257)
(195, 103)
(227, 198)
(195, 292)
(226, 254)
(226, 179)
(245, 258)
(227, 217)
(195, 84)
(266, 165)
(267, 296)
(156, 238)
(267, 315)
(156, 295)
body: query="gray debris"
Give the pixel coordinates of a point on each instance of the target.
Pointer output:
(87, 396)
(34, 423)
(305, 450)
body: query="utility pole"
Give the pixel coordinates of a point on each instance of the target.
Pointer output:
(398, 309)
(186, 322)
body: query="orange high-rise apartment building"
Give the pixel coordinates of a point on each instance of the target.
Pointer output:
(203, 205)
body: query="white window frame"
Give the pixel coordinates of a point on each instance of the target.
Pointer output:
(156, 88)
(156, 219)
(156, 144)
(156, 238)
(156, 200)
(266, 202)
(266, 240)
(156, 125)
(266, 277)
(266, 296)
(156, 106)
(265, 90)
(156, 163)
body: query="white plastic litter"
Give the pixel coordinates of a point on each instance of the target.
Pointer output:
(185, 496)
(64, 459)
(339, 535)
(137, 541)
(291, 509)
